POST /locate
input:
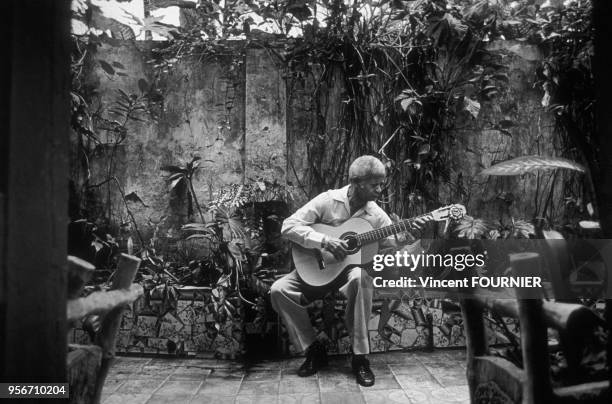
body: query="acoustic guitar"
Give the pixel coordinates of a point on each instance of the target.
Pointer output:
(318, 267)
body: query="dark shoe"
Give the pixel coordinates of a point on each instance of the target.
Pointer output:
(362, 371)
(316, 358)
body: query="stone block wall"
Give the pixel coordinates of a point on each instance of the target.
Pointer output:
(190, 329)
(396, 324)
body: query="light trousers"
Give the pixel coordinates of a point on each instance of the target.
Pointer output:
(288, 299)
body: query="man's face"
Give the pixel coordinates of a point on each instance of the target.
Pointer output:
(370, 189)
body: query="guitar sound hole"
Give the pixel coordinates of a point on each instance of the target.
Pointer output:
(353, 243)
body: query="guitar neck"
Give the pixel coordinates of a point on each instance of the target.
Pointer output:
(399, 227)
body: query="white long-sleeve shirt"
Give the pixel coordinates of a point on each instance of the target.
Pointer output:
(332, 208)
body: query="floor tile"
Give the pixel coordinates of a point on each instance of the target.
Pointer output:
(434, 367)
(299, 385)
(177, 399)
(400, 358)
(178, 388)
(381, 370)
(292, 363)
(264, 365)
(203, 363)
(408, 381)
(155, 371)
(259, 388)
(203, 398)
(383, 383)
(337, 383)
(460, 393)
(118, 398)
(412, 369)
(341, 397)
(119, 374)
(131, 361)
(290, 374)
(183, 373)
(111, 385)
(300, 398)
(449, 380)
(378, 359)
(227, 373)
(386, 396)
(224, 386)
(437, 396)
(430, 357)
(401, 377)
(261, 399)
(262, 375)
(139, 386)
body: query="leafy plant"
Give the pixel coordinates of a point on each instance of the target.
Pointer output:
(474, 228)
(528, 164)
(183, 176)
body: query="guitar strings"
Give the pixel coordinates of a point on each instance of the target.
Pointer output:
(392, 229)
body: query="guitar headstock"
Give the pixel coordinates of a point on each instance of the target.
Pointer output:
(450, 212)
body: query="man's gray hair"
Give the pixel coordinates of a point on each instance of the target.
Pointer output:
(366, 166)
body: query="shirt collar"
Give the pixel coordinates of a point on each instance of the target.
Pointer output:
(341, 195)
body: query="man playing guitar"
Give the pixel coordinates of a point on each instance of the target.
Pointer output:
(290, 294)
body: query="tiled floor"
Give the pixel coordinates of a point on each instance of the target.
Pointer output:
(417, 377)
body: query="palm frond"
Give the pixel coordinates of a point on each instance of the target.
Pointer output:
(528, 164)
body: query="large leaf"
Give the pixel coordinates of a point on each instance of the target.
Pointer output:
(173, 169)
(106, 67)
(196, 227)
(200, 236)
(143, 86)
(528, 164)
(133, 197)
(109, 18)
(299, 9)
(479, 12)
(471, 228)
(234, 248)
(155, 25)
(446, 30)
(522, 229)
(177, 181)
(472, 106)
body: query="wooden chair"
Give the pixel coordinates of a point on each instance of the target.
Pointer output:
(88, 364)
(495, 379)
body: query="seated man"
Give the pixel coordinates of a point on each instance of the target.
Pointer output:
(290, 294)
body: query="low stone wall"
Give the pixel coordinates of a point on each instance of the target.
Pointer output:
(399, 321)
(192, 328)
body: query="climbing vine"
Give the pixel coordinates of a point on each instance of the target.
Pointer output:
(404, 71)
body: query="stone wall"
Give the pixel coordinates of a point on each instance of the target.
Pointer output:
(513, 124)
(399, 321)
(247, 122)
(230, 116)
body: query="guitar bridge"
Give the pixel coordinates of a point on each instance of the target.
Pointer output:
(320, 260)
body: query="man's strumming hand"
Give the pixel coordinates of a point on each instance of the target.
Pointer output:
(337, 247)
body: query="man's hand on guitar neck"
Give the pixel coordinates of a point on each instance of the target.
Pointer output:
(335, 246)
(407, 237)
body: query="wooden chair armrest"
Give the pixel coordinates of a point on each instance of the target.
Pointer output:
(102, 302)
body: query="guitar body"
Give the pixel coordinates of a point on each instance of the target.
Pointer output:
(319, 267)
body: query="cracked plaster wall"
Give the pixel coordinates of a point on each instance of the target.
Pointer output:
(246, 125)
